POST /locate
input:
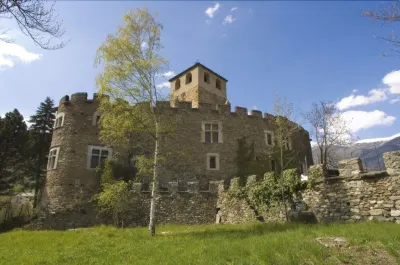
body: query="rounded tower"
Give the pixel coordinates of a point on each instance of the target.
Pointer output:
(71, 179)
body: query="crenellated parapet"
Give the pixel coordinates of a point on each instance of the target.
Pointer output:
(356, 194)
(173, 187)
(82, 98)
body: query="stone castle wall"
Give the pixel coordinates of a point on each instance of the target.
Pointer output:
(357, 195)
(78, 132)
(192, 205)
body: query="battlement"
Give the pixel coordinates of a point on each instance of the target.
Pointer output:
(82, 97)
(193, 187)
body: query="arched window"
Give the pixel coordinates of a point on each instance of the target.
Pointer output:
(206, 78)
(188, 78)
(177, 83)
(218, 84)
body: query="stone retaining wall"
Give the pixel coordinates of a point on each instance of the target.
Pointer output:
(358, 195)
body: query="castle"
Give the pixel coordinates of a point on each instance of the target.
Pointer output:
(206, 131)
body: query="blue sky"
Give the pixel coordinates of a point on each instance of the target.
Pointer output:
(305, 51)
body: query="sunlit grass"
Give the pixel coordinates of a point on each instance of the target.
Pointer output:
(205, 244)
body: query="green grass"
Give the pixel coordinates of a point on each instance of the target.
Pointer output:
(208, 244)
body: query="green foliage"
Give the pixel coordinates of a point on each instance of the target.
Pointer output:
(267, 192)
(314, 174)
(236, 190)
(116, 198)
(283, 244)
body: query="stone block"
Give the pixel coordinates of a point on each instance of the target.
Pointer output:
(395, 213)
(395, 198)
(375, 212)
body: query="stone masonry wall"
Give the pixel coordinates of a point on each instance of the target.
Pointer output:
(237, 210)
(190, 206)
(78, 133)
(358, 195)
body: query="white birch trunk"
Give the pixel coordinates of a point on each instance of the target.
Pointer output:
(154, 190)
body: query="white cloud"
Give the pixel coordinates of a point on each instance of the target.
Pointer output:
(168, 74)
(395, 100)
(355, 90)
(234, 8)
(210, 11)
(361, 120)
(228, 20)
(163, 85)
(11, 53)
(374, 95)
(392, 80)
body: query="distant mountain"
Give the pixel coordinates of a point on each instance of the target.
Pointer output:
(369, 150)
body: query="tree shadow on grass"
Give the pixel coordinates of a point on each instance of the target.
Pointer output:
(238, 230)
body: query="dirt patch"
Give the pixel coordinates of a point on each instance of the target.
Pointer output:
(361, 255)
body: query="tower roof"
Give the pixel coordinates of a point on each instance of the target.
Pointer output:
(194, 66)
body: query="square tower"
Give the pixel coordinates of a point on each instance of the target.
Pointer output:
(198, 84)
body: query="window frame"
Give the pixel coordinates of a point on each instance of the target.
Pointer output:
(77, 183)
(217, 165)
(101, 148)
(57, 149)
(206, 78)
(266, 132)
(177, 84)
(94, 119)
(187, 78)
(203, 131)
(287, 144)
(59, 116)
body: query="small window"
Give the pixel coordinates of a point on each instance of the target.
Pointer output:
(287, 145)
(206, 78)
(269, 138)
(218, 84)
(177, 83)
(53, 158)
(77, 182)
(212, 161)
(273, 165)
(97, 155)
(212, 132)
(96, 118)
(59, 120)
(188, 78)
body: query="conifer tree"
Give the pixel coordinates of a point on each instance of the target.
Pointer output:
(13, 139)
(40, 132)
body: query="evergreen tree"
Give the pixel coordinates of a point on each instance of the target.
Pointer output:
(40, 133)
(13, 143)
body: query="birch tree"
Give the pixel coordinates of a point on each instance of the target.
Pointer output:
(132, 63)
(284, 152)
(35, 19)
(329, 129)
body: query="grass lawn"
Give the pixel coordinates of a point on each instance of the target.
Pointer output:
(369, 243)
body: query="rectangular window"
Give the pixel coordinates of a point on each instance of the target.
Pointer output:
(97, 155)
(59, 120)
(53, 158)
(287, 145)
(77, 182)
(212, 132)
(273, 165)
(269, 138)
(213, 161)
